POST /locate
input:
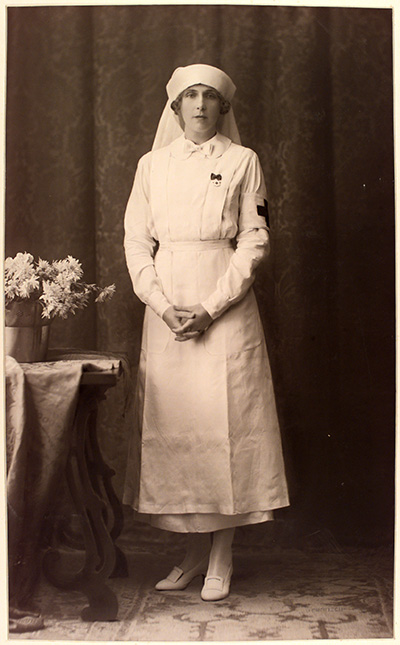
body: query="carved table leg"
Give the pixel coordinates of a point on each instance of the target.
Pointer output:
(83, 481)
(101, 475)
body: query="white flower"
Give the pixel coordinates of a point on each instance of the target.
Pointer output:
(75, 265)
(28, 286)
(58, 285)
(106, 293)
(44, 268)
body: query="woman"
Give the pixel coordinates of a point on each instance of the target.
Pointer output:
(210, 455)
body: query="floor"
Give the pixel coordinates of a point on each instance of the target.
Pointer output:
(275, 595)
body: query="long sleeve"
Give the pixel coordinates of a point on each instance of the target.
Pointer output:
(140, 246)
(252, 243)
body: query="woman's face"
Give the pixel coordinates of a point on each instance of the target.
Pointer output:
(200, 111)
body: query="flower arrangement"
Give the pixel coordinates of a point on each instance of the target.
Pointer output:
(57, 286)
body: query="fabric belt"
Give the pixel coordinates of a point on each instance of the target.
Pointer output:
(195, 245)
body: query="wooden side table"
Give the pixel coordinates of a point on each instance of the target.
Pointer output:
(89, 482)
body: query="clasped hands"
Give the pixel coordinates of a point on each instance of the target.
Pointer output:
(187, 322)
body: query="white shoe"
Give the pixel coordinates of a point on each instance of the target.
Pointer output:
(178, 579)
(216, 587)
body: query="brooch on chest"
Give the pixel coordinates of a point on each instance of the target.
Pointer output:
(216, 179)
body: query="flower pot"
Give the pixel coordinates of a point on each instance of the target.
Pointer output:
(26, 332)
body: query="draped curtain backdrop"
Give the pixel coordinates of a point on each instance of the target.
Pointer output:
(85, 90)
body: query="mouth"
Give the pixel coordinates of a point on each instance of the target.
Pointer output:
(200, 116)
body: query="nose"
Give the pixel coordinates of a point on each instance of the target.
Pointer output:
(200, 102)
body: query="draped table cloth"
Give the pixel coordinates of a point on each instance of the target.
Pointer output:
(43, 402)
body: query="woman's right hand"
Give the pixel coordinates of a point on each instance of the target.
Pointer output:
(174, 318)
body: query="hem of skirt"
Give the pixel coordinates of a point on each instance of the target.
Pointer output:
(202, 509)
(202, 522)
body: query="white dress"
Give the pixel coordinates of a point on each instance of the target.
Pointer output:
(205, 451)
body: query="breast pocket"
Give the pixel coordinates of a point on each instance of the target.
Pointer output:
(156, 333)
(237, 330)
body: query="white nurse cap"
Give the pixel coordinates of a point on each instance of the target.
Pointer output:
(184, 77)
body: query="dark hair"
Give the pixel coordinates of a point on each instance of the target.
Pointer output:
(224, 105)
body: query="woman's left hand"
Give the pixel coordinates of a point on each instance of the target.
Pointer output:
(193, 326)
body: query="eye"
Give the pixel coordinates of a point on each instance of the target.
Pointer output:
(190, 94)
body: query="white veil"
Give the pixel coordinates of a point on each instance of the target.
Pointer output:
(169, 127)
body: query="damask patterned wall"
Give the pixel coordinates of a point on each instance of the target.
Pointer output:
(85, 90)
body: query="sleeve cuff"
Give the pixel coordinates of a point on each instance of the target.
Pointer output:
(216, 304)
(158, 302)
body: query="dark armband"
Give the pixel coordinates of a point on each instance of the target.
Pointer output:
(263, 212)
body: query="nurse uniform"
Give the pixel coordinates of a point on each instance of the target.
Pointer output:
(205, 451)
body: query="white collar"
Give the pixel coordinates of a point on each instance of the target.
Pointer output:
(214, 147)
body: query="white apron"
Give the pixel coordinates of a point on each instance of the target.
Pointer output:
(206, 449)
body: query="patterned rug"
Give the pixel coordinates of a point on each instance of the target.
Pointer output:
(274, 596)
